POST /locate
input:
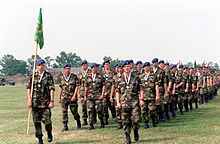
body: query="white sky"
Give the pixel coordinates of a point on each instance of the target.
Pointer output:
(173, 30)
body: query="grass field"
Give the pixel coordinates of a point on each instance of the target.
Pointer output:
(200, 126)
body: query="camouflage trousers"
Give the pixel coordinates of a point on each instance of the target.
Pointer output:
(179, 97)
(94, 106)
(185, 99)
(73, 108)
(118, 114)
(149, 105)
(107, 104)
(84, 109)
(173, 103)
(44, 115)
(130, 115)
(201, 95)
(159, 104)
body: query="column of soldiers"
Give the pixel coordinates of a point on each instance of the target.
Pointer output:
(131, 93)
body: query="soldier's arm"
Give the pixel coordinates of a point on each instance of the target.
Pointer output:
(174, 88)
(118, 100)
(85, 92)
(60, 92)
(29, 98)
(112, 92)
(75, 93)
(157, 92)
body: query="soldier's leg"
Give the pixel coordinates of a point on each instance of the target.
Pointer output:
(195, 95)
(112, 107)
(105, 110)
(144, 111)
(91, 113)
(166, 103)
(190, 99)
(36, 113)
(84, 111)
(74, 111)
(185, 102)
(126, 120)
(180, 103)
(64, 108)
(46, 119)
(152, 108)
(118, 117)
(99, 108)
(135, 117)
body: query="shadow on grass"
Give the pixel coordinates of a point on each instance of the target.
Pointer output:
(156, 140)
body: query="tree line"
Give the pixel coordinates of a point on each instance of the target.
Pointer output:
(11, 66)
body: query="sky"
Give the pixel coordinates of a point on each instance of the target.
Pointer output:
(172, 30)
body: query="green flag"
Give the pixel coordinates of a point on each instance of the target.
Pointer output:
(39, 38)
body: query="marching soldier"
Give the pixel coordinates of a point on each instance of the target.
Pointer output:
(196, 87)
(186, 88)
(94, 94)
(201, 79)
(149, 95)
(108, 75)
(42, 100)
(191, 88)
(128, 88)
(82, 78)
(68, 88)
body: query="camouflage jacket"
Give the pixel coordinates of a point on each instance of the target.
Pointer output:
(195, 80)
(190, 82)
(68, 86)
(108, 76)
(41, 91)
(94, 88)
(186, 78)
(148, 85)
(172, 80)
(200, 79)
(160, 77)
(167, 76)
(178, 79)
(128, 93)
(82, 78)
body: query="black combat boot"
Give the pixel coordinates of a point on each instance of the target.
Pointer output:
(49, 136)
(65, 127)
(173, 114)
(106, 121)
(40, 140)
(128, 138)
(190, 105)
(146, 125)
(196, 105)
(154, 121)
(163, 117)
(85, 122)
(167, 115)
(119, 126)
(181, 112)
(186, 107)
(102, 124)
(136, 135)
(91, 127)
(78, 124)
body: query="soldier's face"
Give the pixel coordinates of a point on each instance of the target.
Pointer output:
(107, 66)
(126, 68)
(67, 70)
(181, 69)
(155, 64)
(167, 67)
(120, 70)
(96, 69)
(131, 65)
(84, 66)
(146, 68)
(41, 67)
(161, 65)
(116, 68)
(93, 70)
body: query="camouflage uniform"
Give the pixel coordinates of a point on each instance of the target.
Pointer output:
(160, 78)
(40, 101)
(106, 101)
(185, 95)
(190, 94)
(118, 110)
(173, 98)
(201, 89)
(94, 104)
(148, 85)
(82, 79)
(68, 89)
(166, 101)
(129, 102)
(179, 91)
(195, 94)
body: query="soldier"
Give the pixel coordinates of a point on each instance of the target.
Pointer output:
(160, 77)
(191, 88)
(42, 100)
(128, 87)
(94, 94)
(112, 96)
(68, 88)
(186, 88)
(179, 86)
(171, 90)
(149, 94)
(138, 69)
(166, 101)
(108, 75)
(196, 87)
(82, 78)
(116, 67)
(201, 80)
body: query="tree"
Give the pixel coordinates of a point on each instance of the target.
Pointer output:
(12, 66)
(48, 61)
(30, 62)
(64, 58)
(216, 66)
(113, 62)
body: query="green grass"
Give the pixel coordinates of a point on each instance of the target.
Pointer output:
(200, 126)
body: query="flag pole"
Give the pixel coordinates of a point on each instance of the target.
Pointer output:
(32, 87)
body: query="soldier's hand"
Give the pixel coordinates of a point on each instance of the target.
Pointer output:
(141, 103)
(166, 95)
(101, 97)
(111, 99)
(84, 98)
(173, 92)
(51, 105)
(186, 91)
(29, 103)
(157, 98)
(73, 98)
(197, 89)
(59, 101)
(78, 95)
(118, 105)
